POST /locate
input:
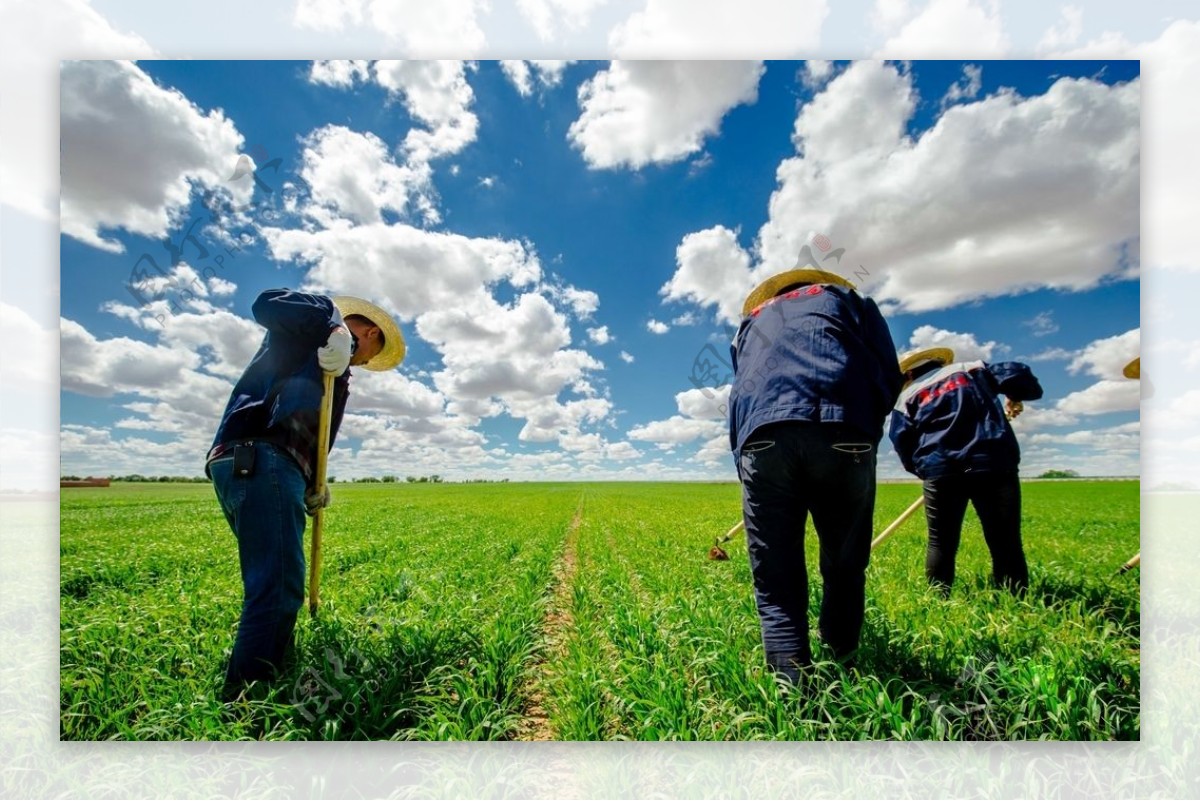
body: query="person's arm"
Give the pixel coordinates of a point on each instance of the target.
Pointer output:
(879, 338)
(308, 318)
(903, 434)
(1016, 381)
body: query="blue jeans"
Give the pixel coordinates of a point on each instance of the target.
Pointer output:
(266, 512)
(789, 470)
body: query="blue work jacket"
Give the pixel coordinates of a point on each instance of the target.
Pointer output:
(951, 421)
(821, 353)
(278, 397)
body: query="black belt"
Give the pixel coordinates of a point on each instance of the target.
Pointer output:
(224, 450)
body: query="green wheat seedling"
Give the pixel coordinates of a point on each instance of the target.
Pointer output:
(589, 612)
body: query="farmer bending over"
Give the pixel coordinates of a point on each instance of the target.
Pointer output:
(948, 429)
(814, 377)
(263, 456)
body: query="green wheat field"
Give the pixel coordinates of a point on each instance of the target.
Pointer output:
(588, 612)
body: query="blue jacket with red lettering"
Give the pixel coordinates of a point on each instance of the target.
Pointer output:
(821, 353)
(950, 420)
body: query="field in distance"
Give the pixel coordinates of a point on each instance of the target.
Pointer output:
(588, 612)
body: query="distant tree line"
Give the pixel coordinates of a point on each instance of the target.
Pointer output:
(433, 479)
(1059, 474)
(138, 478)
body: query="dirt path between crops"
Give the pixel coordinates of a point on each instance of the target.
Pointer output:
(556, 624)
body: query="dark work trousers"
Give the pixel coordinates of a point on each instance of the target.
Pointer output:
(789, 470)
(996, 497)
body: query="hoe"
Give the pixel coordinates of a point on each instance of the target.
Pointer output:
(314, 562)
(717, 553)
(1011, 410)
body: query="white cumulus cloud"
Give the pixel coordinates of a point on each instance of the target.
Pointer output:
(967, 87)
(675, 430)
(644, 112)
(1106, 358)
(702, 416)
(694, 29)
(522, 73)
(657, 327)
(33, 40)
(437, 94)
(341, 73)
(1001, 195)
(600, 335)
(1170, 203)
(943, 29)
(1065, 32)
(554, 18)
(711, 268)
(496, 358)
(133, 151)
(26, 364)
(965, 346)
(704, 403)
(417, 29)
(352, 175)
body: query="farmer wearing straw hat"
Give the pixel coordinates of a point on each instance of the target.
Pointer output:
(948, 428)
(814, 377)
(262, 458)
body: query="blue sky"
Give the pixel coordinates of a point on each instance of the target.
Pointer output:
(562, 243)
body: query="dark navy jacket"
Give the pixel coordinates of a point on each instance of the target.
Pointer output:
(951, 421)
(278, 397)
(821, 353)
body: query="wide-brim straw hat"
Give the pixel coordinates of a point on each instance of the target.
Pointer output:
(393, 349)
(1133, 369)
(912, 361)
(770, 288)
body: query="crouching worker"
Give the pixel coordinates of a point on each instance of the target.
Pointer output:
(814, 378)
(263, 456)
(949, 430)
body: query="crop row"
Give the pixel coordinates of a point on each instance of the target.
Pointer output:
(431, 602)
(666, 643)
(585, 612)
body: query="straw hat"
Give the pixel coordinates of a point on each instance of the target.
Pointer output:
(392, 352)
(1133, 369)
(912, 361)
(770, 288)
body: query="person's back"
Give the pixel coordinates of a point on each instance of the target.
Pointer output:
(950, 420)
(949, 429)
(814, 377)
(816, 353)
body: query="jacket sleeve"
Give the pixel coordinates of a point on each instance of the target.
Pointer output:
(729, 403)
(1016, 380)
(903, 435)
(879, 339)
(306, 317)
